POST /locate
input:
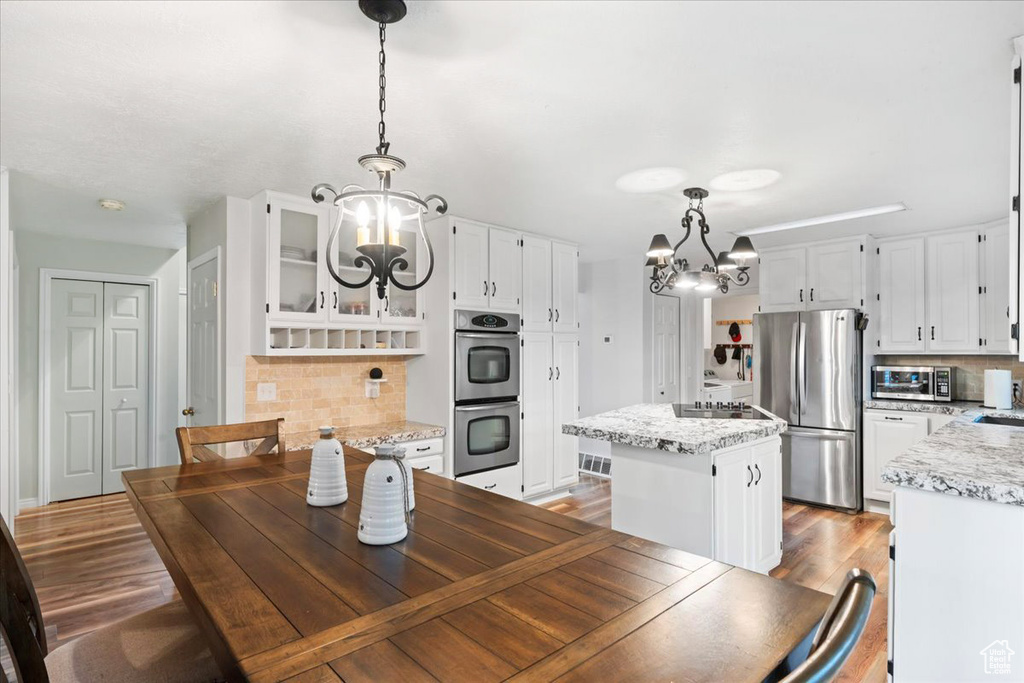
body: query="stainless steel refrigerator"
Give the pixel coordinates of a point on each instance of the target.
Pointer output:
(807, 370)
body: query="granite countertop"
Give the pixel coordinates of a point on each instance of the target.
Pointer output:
(934, 407)
(964, 458)
(656, 426)
(367, 436)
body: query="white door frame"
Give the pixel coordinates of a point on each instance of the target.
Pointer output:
(46, 277)
(202, 259)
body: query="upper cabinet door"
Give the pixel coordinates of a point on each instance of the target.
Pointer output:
(538, 312)
(472, 278)
(297, 237)
(835, 275)
(402, 306)
(783, 284)
(347, 304)
(996, 320)
(564, 267)
(901, 295)
(953, 299)
(506, 266)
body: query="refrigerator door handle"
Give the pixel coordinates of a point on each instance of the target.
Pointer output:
(794, 352)
(801, 368)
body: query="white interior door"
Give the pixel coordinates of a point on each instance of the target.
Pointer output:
(76, 389)
(125, 381)
(665, 349)
(203, 343)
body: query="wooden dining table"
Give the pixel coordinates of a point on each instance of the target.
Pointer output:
(484, 588)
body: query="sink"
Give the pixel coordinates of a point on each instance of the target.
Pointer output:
(1004, 421)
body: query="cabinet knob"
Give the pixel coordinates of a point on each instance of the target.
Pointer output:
(188, 411)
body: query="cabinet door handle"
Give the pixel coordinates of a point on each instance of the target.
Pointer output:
(387, 302)
(485, 287)
(335, 299)
(558, 372)
(758, 475)
(933, 332)
(494, 289)
(321, 299)
(894, 419)
(549, 315)
(556, 315)
(812, 293)
(422, 448)
(550, 374)
(490, 487)
(801, 294)
(918, 333)
(751, 473)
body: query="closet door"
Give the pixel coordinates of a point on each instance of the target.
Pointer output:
(76, 389)
(125, 381)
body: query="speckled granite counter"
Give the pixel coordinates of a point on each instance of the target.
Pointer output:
(934, 407)
(656, 426)
(965, 458)
(367, 436)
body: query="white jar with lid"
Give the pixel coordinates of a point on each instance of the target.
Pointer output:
(327, 482)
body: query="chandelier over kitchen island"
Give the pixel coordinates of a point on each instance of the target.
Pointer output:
(669, 271)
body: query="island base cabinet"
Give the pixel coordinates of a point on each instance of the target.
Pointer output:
(957, 594)
(726, 504)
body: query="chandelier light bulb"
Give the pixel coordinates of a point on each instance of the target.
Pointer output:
(363, 215)
(394, 223)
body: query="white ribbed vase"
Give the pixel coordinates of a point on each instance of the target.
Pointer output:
(382, 514)
(327, 482)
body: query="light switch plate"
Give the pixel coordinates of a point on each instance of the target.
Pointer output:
(266, 391)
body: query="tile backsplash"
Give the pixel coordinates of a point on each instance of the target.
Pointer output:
(970, 370)
(314, 391)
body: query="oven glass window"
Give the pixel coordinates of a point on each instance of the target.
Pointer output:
(487, 435)
(489, 365)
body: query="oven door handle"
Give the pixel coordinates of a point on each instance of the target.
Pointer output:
(485, 335)
(486, 406)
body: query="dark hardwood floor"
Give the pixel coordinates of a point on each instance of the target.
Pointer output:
(92, 563)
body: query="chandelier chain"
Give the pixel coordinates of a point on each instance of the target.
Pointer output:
(382, 148)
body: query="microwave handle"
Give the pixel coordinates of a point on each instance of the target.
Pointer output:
(486, 406)
(484, 335)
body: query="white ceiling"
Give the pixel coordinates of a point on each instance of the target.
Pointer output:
(519, 113)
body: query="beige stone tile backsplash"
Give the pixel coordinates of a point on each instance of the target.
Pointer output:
(970, 370)
(314, 391)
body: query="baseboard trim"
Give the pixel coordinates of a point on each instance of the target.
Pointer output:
(548, 497)
(879, 506)
(26, 503)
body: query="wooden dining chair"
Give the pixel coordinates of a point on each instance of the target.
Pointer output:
(163, 644)
(193, 441)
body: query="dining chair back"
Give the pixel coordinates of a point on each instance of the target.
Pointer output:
(193, 442)
(839, 630)
(21, 620)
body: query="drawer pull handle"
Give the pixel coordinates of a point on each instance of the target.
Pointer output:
(895, 419)
(490, 487)
(425, 467)
(422, 448)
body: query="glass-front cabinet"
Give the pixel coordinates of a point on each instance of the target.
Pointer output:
(402, 306)
(350, 305)
(296, 239)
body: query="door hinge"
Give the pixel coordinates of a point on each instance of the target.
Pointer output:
(979, 239)
(888, 666)
(714, 470)
(979, 342)
(878, 297)
(522, 416)
(1015, 204)
(979, 289)
(878, 343)
(522, 488)
(517, 301)
(215, 289)
(862, 302)
(453, 229)
(268, 208)
(1016, 74)
(892, 553)
(423, 315)
(1014, 331)
(878, 250)
(268, 308)
(862, 247)
(453, 296)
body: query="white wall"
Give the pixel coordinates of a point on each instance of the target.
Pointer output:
(8, 472)
(39, 250)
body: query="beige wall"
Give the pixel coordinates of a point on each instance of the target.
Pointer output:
(970, 370)
(315, 391)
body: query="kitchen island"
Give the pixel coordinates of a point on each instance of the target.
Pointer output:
(957, 551)
(707, 485)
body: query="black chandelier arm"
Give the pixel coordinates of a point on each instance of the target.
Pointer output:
(442, 203)
(402, 264)
(686, 236)
(318, 192)
(359, 262)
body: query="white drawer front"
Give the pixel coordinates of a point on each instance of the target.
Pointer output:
(507, 481)
(431, 463)
(417, 449)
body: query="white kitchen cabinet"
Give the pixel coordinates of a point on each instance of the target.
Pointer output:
(487, 267)
(901, 295)
(505, 481)
(995, 287)
(952, 292)
(766, 512)
(506, 271)
(733, 502)
(538, 312)
(835, 275)
(783, 280)
(748, 506)
(887, 434)
(538, 374)
(297, 232)
(564, 276)
(566, 397)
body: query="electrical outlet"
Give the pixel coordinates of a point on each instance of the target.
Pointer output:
(266, 391)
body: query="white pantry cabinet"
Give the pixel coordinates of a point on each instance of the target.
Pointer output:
(901, 309)
(995, 287)
(952, 292)
(550, 274)
(816, 276)
(550, 397)
(748, 506)
(487, 267)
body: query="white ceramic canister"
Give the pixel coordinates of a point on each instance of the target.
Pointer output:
(400, 455)
(383, 510)
(327, 482)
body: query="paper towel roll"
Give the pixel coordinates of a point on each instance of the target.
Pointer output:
(998, 389)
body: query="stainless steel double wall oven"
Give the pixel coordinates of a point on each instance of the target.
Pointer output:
(487, 410)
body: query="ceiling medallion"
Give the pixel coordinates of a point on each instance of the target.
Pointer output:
(674, 273)
(378, 217)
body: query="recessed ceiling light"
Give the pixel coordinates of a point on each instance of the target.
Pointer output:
(830, 218)
(651, 179)
(112, 204)
(750, 179)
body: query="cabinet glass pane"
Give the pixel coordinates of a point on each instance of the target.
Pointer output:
(350, 301)
(402, 304)
(298, 274)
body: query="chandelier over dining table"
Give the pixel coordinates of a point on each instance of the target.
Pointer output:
(672, 272)
(377, 217)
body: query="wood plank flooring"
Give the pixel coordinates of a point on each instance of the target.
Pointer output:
(93, 564)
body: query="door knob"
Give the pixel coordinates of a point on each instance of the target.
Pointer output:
(188, 411)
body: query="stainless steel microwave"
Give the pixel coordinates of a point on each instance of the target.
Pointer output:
(925, 383)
